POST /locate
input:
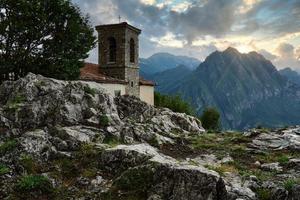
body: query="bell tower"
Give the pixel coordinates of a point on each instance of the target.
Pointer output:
(119, 54)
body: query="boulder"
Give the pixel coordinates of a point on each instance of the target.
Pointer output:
(169, 179)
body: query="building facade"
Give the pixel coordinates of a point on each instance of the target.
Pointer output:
(118, 68)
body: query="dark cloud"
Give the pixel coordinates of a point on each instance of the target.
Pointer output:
(274, 17)
(214, 18)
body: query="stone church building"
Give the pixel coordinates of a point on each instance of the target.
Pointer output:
(118, 68)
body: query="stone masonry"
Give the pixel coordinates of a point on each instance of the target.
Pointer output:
(122, 67)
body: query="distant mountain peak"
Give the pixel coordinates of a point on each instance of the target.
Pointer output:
(232, 50)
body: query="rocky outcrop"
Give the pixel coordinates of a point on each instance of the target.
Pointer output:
(69, 139)
(168, 177)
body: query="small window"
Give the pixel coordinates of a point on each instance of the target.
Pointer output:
(117, 93)
(132, 51)
(131, 83)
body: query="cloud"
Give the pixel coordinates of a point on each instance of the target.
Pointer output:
(287, 57)
(285, 50)
(196, 28)
(214, 18)
(267, 55)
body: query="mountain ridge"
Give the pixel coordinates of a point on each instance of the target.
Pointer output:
(246, 88)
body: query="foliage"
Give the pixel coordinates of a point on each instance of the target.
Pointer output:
(103, 120)
(34, 183)
(210, 119)
(283, 159)
(44, 37)
(264, 194)
(29, 164)
(13, 104)
(111, 140)
(3, 169)
(290, 183)
(175, 103)
(8, 146)
(91, 91)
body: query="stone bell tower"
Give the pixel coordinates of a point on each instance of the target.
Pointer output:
(119, 54)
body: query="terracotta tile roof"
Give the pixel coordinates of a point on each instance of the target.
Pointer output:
(91, 72)
(146, 82)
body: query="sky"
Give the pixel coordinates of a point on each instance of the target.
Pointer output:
(197, 28)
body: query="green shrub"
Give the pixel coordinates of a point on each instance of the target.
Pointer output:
(175, 103)
(8, 146)
(283, 159)
(3, 169)
(34, 183)
(91, 91)
(68, 168)
(13, 104)
(111, 140)
(210, 119)
(264, 194)
(290, 183)
(29, 164)
(103, 120)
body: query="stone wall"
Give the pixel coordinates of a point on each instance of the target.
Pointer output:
(122, 69)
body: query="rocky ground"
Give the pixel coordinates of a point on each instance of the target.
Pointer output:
(71, 140)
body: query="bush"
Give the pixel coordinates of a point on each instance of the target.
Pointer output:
(264, 194)
(210, 119)
(91, 91)
(34, 183)
(103, 120)
(3, 169)
(290, 183)
(8, 146)
(175, 103)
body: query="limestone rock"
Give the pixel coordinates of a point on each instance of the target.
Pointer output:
(170, 178)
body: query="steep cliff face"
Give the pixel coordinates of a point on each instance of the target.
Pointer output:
(71, 140)
(246, 88)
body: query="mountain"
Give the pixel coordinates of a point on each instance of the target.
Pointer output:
(163, 61)
(291, 75)
(170, 78)
(246, 89)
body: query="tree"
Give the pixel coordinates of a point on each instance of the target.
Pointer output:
(44, 37)
(210, 119)
(175, 103)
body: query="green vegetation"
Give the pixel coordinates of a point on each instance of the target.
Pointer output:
(29, 164)
(211, 119)
(175, 103)
(58, 43)
(235, 145)
(103, 120)
(34, 183)
(283, 159)
(13, 104)
(8, 146)
(221, 169)
(290, 183)
(91, 91)
(264, 194)
(111, 140)
(3, 169)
